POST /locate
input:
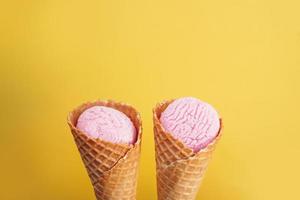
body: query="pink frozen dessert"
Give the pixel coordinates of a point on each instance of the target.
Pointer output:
(193, 122)
(108, 124)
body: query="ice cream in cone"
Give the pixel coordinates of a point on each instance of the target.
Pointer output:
(186, 131)
(109, 145)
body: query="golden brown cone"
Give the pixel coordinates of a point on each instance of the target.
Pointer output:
(112, 168)
(179, 171)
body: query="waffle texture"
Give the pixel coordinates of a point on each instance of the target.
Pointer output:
(179, 171)
(112, 168)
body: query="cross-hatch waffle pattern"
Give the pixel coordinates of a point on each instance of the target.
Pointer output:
(179, 171)
(112, 168)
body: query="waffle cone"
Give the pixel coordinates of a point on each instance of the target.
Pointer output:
(179, 171)
(111, 167)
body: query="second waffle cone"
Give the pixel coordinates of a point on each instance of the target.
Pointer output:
(179, 171)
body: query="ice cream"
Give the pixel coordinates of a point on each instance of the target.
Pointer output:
(186, 132)
(111, 165)
(108, 124)
(191, 121)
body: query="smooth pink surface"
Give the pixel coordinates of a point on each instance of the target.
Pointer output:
(193, 122)
(107, 124)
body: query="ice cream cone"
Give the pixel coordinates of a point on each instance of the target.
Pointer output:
(112, 168)
(179, 171)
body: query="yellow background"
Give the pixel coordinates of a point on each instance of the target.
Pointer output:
(243, 57)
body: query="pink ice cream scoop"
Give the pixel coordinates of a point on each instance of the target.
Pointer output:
(108, 124)
(193, 122)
